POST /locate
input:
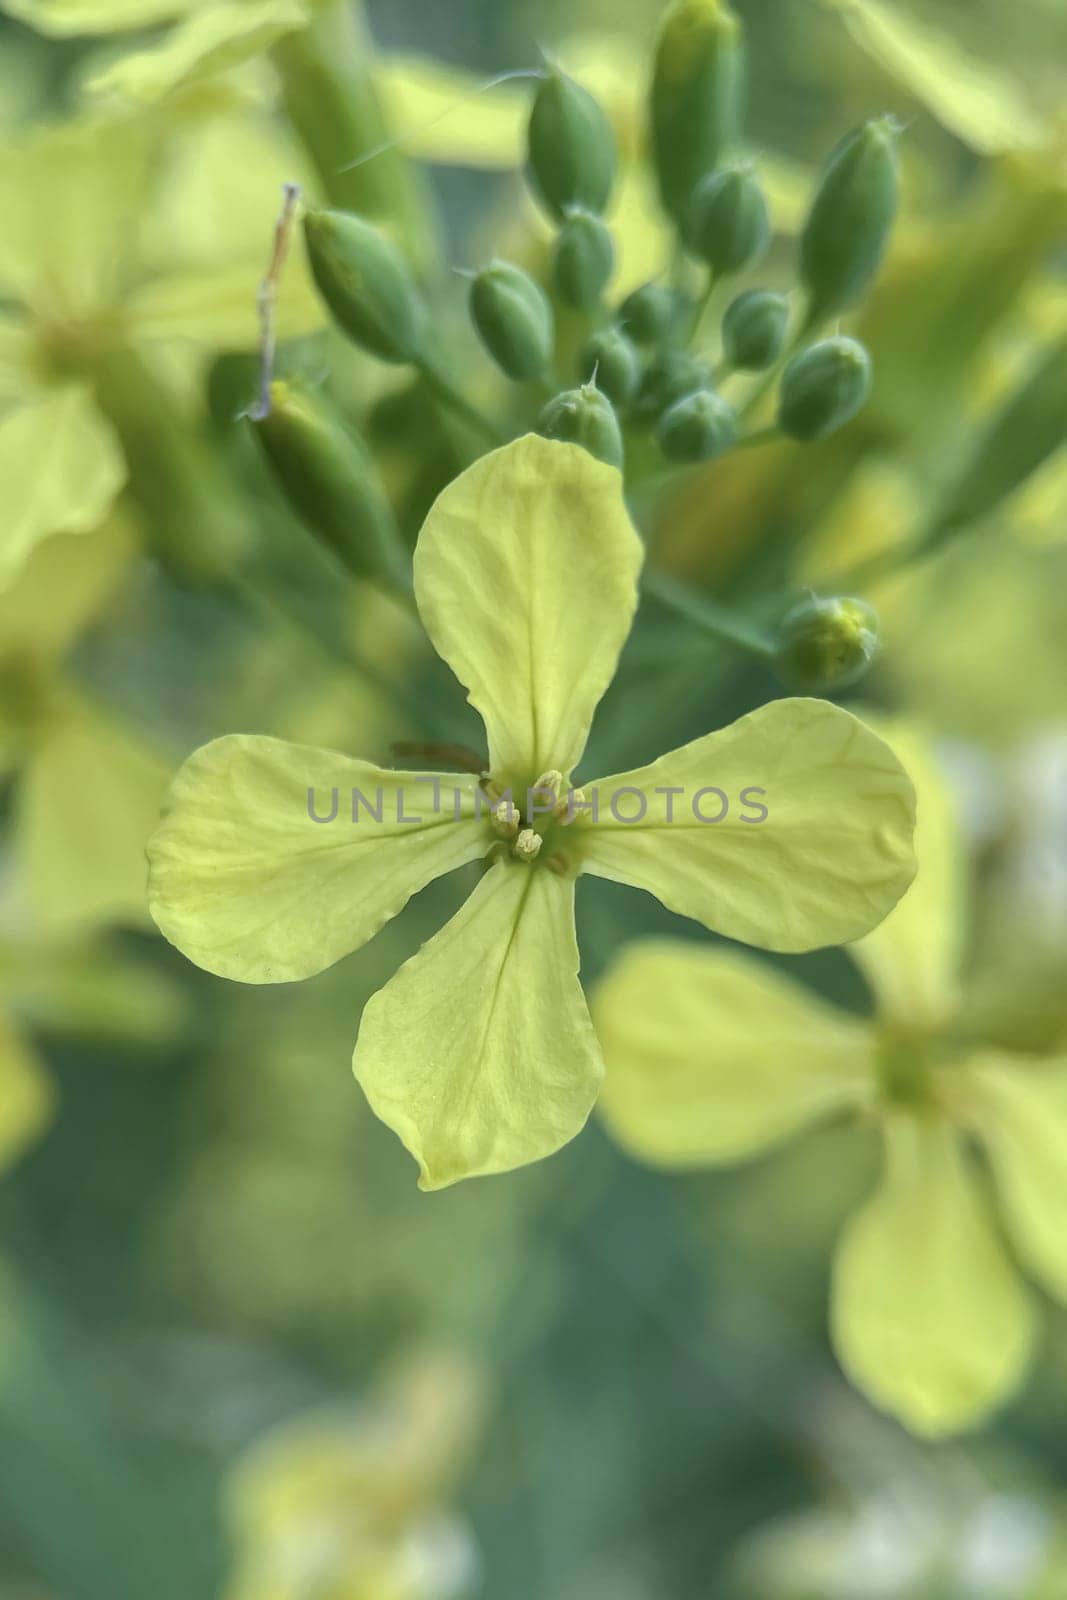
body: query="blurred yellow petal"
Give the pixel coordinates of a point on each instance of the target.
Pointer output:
(976, 100)
(88, 799)
(211, 39)
(480, 1053)
(1018, 1107)
(219, 307)
(442, 113)
(68, 18)
(62, 587)
(930, 1319)
(829, 858)
(16, 357)
(71, 199)
(26, 1096)
(526, 580)
(249, 886)
(912, 960)
(711, 1056)
(61, 468)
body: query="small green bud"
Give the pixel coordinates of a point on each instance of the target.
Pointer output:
(753, 330)
(610, 360)
(329, 478)
(571, 147)
(826, 644)
(850, 219)
(696, 97)
(513, 318)
(728, 222)
(670, 376)
(584, 416)
(366, 283)
(1030, 425)
(698, 427)
(648, 312)
(584, 260)
(823, 388)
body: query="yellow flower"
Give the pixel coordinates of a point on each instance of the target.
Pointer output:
(352, 1505)
(712, 1058)
(480, 1053)
(84, 279)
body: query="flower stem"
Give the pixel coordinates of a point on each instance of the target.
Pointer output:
(705, 614)
(443, 389)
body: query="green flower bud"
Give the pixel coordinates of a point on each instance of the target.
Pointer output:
(328, 476)
(728, 221)
(696, 97)
(513, 318)
(1030, 425)
(366, 283)
(697, 428)
(584, 260)
(571, 147)
(848, 226)
(670, 376)
(826, 644)
(610, 360)
(823, 388)
(584, 416)
(753, 330)
(647, 314)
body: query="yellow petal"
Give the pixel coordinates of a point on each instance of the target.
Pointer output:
(88, 800)
(480, 1052)
(16, 355)
(712, 1056)
(247, 885)
(976, 100)
(61, 468)
(930, 1319)
(211, 39)
(72, 199)
(912, 960)
(827, 861)
(69, 18)
(63, 586)
(218, 307)
(526, 579)
(26, 1097)
(1018, 1107)
(442, 113)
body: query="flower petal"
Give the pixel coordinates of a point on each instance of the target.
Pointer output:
(87, 802)
(61, 468)
(69, 18)
(930, 1319)
(712, 1056)
(248, 886)
(480, 1053)
(211, 39)
(827, 862)
(218, 307)
(526, 579)
(26, 1096)
(1018, 1108)
(912, 960)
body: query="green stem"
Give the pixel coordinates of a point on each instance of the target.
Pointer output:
(443, 389)
(700, 309)
(705, 614)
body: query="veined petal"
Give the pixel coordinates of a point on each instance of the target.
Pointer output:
(912, 960)
(526, 579)
(26, 1097)
(61, 468)
(829, 858)
(1018, 1108)
(480, 1053)
(930, 1318)
(712, 1056)
(248, 886)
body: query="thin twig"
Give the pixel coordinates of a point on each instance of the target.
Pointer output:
(267, 297)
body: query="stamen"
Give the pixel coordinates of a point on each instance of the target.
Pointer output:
(505, 817)
(527, 844)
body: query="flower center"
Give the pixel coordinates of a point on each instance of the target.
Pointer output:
(531, 824)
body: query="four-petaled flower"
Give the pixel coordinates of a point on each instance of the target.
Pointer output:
(713, 1058)
(480, 1052)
